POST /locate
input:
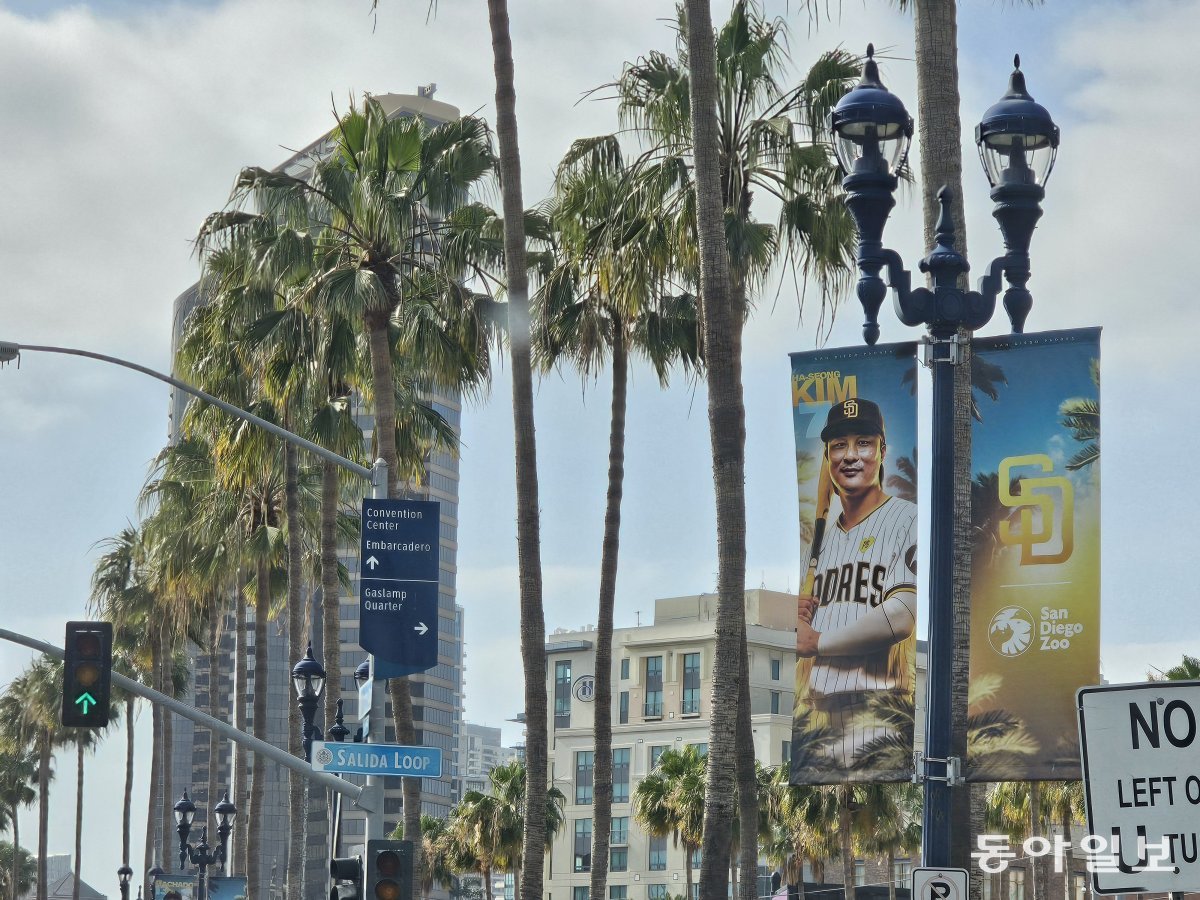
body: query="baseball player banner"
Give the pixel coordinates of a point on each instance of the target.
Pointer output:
(855, 416)
(1035, 581)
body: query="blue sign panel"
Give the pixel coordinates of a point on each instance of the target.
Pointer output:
(398, 583)
(377, 759)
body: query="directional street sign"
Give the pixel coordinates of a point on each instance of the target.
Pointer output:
(398, 582)
(377, 759)
(939, 884)
(1141, 778)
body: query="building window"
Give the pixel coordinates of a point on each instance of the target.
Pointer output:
(658, 854)
(697, 858)
(562, 693)
(1078, 887)
(774, 703)
(990, 891)
(618, 892)
(583, 845)
(620, 775)
(618, 859)
(584, 766)
(902, 872)
(618, 833)
(695, 891)
(623, 708)
(691, 684)
(656, 892)
(1016, 884)
(775, 666)
(654, 687)
(860, 872)
(701, 748)
(655, 753)
(625, 668)
(785, 752)
(580, 892)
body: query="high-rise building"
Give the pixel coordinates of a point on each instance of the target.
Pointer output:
(479, 751)
(661, 683)
(437, 695)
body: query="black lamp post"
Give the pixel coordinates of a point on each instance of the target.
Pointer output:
(1017, 142)
(309, 679)
(151, 876)
(124, 874)
(201, 855)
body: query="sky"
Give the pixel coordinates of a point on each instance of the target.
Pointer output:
(124, 123)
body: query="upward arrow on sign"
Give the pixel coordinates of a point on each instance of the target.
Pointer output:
(372, 562)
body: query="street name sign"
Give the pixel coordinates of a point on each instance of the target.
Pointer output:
(398, 582)
(939, 884)
(1141, 774)
(376, 759)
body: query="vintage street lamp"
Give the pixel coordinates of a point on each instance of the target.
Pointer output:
(309, 680)
(1017, 142)
(124, 874)
(201, 855)
(338, 730)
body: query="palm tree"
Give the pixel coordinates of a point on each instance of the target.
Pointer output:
(18, 770)
(1081, 416)
(604, 298)
(18, 870)
(1064, 804)
(670, 801)
(369, 213)
(1187, 670)
(724, 128)
(888, 823)
(436, 853)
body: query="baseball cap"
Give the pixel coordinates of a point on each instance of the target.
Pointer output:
(854, 416)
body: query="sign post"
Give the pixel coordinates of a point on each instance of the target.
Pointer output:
(398, 583)
(1141, 771)
(939, 884)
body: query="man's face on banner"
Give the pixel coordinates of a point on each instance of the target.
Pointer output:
(854, 461)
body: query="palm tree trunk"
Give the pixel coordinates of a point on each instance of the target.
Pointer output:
(241, 794)
(847, 847)
(891, 873)
(78, 816)
(214, 697)
(167, 809)
(1037, 875)
(602, 789)
(529, 563)
(258, 783)
(688, 851)
(16, 861)
(747, 784)
(726, 417)
(940, 133)
(383, 385)
(330, 591)
(297, 813)
(1068, 854)
(487, 883)
(43, 810)
(156, 716)
(127, 806)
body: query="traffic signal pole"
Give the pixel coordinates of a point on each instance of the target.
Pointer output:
(361, 796)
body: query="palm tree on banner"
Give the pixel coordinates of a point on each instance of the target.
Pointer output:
(1081, 416)
(749, 135)
(18, 773)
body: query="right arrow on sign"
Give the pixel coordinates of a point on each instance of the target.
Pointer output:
(420, 628)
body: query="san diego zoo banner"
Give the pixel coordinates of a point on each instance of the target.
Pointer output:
(855, 414)
(1035, 581)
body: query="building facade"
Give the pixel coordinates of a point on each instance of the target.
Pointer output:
(661, 689)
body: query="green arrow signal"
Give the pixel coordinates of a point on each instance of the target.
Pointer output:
(83, 700)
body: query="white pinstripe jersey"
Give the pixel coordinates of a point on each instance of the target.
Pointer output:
(859, 569)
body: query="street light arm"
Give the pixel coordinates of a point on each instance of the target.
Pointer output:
(10, 350)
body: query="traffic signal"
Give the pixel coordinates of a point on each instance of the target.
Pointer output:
(87, 670)
(346, 878)
(389, 870)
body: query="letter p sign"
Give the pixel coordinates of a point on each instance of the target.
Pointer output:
(939, 884)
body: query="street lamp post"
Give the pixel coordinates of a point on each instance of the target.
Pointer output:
(309, 679)
(124, 874)
(201, 855)
(151, 876)
(1017, 142)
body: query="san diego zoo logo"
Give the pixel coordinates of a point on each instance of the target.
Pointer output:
(324, 757)
(1011, 631)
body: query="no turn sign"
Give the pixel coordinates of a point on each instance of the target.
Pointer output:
(939, 884)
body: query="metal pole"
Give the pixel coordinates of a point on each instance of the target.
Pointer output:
(374, 785)
(10, 350)
(360, 797)
(936, 813)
